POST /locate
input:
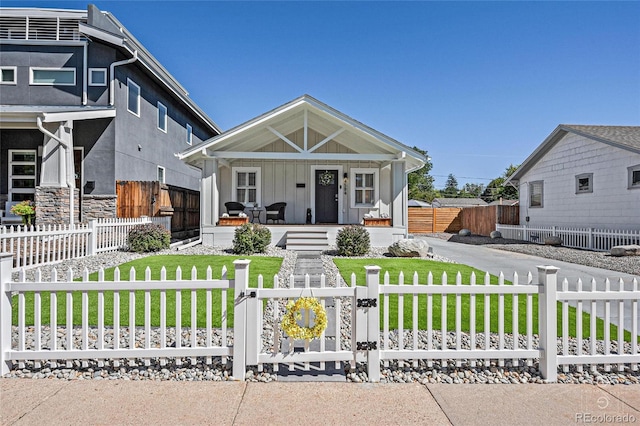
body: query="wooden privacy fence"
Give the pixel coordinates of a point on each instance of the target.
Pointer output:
(495, 322)
(142, 198)
(483, 220)
(430, 220)
(480, 220)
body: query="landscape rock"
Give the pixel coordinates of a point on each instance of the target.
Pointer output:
(464, 233)
(495, 234)
(409, 248)
(628, 250)
(553, 241)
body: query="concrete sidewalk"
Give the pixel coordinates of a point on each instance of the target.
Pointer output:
(54, 402)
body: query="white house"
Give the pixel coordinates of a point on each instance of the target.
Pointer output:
(582, 176)
(328, 168)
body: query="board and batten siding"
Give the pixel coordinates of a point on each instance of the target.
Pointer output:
(610, 205)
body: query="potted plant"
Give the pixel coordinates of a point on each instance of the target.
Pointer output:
(25, 209)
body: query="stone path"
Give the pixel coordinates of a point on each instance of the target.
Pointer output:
(311, 263)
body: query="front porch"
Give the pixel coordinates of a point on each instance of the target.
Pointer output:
(303, 237)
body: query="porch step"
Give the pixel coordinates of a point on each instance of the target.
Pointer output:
(307, 240)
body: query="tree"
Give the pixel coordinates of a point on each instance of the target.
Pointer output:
(496, 188)
(471, 190)
(451, 187)
(420, 182)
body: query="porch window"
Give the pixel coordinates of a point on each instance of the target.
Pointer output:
(133, 98)
(22, 175)
(246, 185)
(536, 192)
(364, 188)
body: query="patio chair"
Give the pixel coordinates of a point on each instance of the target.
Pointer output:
(275, 212)
(234, 208)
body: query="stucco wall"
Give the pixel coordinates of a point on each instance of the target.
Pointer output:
(610, 205)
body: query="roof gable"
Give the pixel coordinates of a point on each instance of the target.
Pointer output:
(622, 137)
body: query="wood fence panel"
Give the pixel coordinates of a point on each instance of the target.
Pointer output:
(430, 220)
(483, 220)
(508, 215)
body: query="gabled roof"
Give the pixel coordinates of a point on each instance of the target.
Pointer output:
(623, 137)
(458, 202)
(258, 132)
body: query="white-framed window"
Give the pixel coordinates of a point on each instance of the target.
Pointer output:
(634, 177)
(97, 76)
(8, 75)
(189, 139)
(52, 76)
(584, 183)
(162, 117)
(246, 185)
(133, 98)
(22, 174)
(536, 193)
(364, 188)
(161, 174)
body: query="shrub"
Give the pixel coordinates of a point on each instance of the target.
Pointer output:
(251, 238)
(148, 237)
(353, 240)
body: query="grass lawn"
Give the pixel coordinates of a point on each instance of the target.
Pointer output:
(266, 266)
(394, 266)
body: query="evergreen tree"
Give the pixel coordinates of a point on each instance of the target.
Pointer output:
(420, 182)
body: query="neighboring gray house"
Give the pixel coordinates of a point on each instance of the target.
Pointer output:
(582, 176)
(328, 168)
(82, 105)
(458, 202)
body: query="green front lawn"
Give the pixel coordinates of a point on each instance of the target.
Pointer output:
(266, 266)
(394, 266)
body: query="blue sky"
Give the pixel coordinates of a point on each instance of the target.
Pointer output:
(479, 85)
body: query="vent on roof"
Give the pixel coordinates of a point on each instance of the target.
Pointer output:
(39, 28)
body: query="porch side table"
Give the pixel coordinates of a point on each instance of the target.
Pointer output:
(255, 214)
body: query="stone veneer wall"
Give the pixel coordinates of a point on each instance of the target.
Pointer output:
(98, 206)
(52, 205)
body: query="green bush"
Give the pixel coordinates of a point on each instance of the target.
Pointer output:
(353, 240)
(251, 238)
(148, 237)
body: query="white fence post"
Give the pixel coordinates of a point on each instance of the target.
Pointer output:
(547, 322)
(240, 318)
(6, 264)
(373, 323)
(92, 243)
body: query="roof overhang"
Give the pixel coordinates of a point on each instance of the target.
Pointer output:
(25, 117)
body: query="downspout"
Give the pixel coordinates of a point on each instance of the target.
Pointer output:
(85, 64)
(70, 182)
(112, 90)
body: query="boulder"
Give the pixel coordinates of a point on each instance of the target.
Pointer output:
(409, 248)
(553, 241)
(464, 233)
(629, 250)
(495, 234)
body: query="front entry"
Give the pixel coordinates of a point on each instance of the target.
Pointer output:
(326, 196)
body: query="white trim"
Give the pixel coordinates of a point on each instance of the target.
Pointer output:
(376, 187)
(260, 155)
(164, 174)
(51, 117)
(312, 192)
(15, 75)
(33, 83)
(189, 135)
(258, 186)
(162, 128)
(131, 83)
(10, 162)
(100, 70)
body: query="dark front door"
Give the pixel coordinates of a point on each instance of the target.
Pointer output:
(326, 196)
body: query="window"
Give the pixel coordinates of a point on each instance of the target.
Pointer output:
(584, 183)
(97, 76)
(8, 75)
(189, 134)
(536, 193)
(133, 98)
(246, 185)
(364, 188)
(634, 177)
(161, 174)
(162, 117)
(53, 76)
(22, 175)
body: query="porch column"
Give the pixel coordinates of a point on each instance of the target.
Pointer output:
(398, 194)
(55, 159)
(209, 193)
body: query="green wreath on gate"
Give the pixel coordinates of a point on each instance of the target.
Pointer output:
(290, 319)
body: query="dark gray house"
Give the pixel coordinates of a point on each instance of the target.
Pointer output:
(82, 105)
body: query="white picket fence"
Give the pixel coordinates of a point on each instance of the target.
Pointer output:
(43, 244)
(583, 238)
(252, 345)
